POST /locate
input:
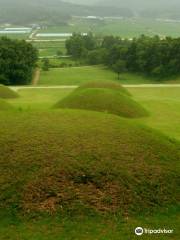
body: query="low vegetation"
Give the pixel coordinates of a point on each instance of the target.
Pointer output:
(92, 161)
(6, 92)
(4, 105)
(103, 99)
(106, 84)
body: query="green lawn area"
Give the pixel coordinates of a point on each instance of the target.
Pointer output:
(41, 99)
(89, 227)
(80, 75)
(164, 107)
(49, 48)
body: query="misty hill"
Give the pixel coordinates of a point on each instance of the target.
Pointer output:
(148, 8)
(54, 11)
(145, 8)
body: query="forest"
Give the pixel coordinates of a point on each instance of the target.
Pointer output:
(152, 56)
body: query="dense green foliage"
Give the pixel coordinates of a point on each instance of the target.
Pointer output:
(103, 100)
(6, 92)
(78, 45)
(154, 57)
(17, 61)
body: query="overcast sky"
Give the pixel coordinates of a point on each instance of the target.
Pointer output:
(132, 3)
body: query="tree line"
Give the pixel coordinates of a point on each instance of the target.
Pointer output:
(152, 56)
(17, 61)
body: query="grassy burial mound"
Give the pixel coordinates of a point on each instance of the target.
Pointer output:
(106, 84)
(6, 92)
(103, 100)
(84, 160)
(4, 105)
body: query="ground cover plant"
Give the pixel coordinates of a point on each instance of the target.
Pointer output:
(106, 84)
(83, 74)
(103, 98)
(6, 92)
(109, 174)
(34, 112)
(4, 105)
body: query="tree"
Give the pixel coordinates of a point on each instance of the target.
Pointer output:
(119, 66)
(17, 61)
(46, 64)
(59, 53)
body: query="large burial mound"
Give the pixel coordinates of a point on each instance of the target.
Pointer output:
(4, 105)
(106, 84)
(76, 160)
(103, 100)
(6, 92)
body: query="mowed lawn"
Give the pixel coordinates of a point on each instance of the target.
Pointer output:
(164, 107)
(80, 75)
(162, 103)
(40, 99)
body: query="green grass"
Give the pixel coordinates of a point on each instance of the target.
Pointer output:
(38, 99)
(89, 227)
(86, 165)
(49, 48)
(163, 104)
(26, 132)
(103, 100)
(6, 92)
(4, 105)
(81, 75)
(114, 85)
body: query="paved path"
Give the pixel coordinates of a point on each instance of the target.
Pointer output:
(75, 86)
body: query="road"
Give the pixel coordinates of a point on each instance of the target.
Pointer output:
(17, 88)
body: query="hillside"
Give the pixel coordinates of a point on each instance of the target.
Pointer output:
(103, 99)
(92, 161)
(51, 12)
(6, 92)
(4, 105)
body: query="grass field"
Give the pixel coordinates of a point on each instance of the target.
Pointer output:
(83, 74)
(49, 48)
(80, 75)
(23, 136)
(164, 106)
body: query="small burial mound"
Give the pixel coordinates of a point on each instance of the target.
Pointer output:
(75, 160)
(106, 84)
(4, 105)
(103, 100)
(6, 92)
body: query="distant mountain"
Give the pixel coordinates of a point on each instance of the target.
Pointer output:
(148, 8)
(51, 11)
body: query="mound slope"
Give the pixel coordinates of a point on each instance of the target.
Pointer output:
(103, 100)
(84, 160)
(6, 92)
(106, 84)
(4, 105)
